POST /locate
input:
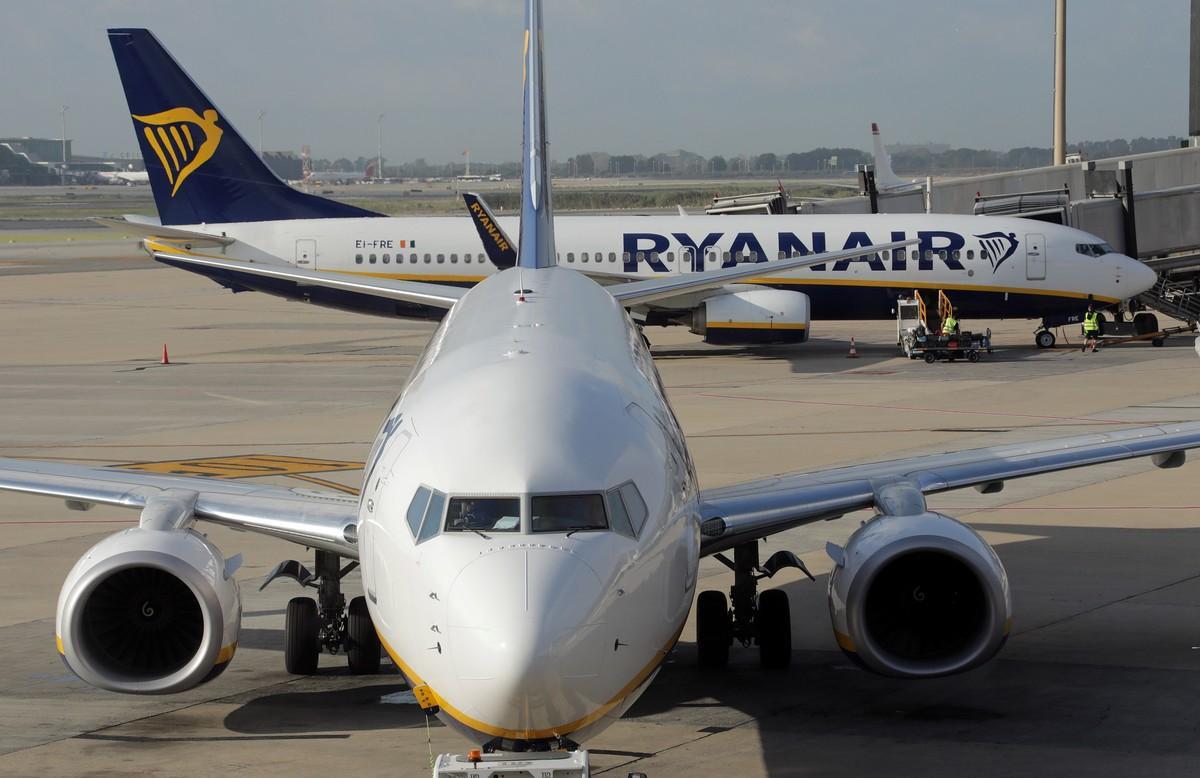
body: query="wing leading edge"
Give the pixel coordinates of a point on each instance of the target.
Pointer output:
(756, 509)
(310, 518)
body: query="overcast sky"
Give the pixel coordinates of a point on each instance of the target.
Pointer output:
(624, 76)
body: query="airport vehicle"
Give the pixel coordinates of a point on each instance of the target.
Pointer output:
(216, 198)
(529, 561)
(919, 344)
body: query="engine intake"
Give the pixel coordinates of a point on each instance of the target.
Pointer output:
(149, 612)
(919, 596)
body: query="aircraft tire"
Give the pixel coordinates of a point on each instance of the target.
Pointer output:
(774, 622)
(713, 629)
(362, 641)
(301, 630)
(1044, 339)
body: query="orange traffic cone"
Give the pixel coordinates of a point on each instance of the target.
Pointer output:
(166, 360)
(853, 351)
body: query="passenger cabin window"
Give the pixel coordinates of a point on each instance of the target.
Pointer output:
(570, 256)
(358, 259)
(441, 259)
(567, 513)
(612, 256)
(970, 253)
(484, 514)
(387, 258)
(454, 259)
(371, 259)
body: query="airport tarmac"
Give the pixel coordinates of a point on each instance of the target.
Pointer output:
(1101, 676)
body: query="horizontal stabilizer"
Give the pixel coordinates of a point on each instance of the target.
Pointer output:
(414, 292)
(171, 234)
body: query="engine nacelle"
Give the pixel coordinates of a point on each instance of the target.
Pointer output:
(149, 611)
(753, 316)
(919, 596)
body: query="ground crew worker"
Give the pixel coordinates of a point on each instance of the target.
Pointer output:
(950, 324)
(1091, 328)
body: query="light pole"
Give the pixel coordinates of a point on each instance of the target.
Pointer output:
(379, 159)
(63, 170)
(261, 114)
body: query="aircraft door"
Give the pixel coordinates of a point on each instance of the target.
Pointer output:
(306, 254)
(1035, 257)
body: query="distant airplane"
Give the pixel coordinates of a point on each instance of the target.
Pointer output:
(886, 179)
(530, 524)
(210, 185)
(126, 177)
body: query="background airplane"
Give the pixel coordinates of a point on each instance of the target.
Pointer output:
(209, 185)
(530, 592)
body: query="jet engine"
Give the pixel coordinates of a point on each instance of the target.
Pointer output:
(756, 315)
(918, 596)
(150, 611)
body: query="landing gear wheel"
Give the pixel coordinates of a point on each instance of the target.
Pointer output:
(1044, 339)
(302, 645)
(713, 633)
(774, 622)
(362, 641)
(930, 357)
(972, 356)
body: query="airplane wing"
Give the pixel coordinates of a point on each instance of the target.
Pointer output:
(653, 289)
(152, 229)
(416, 292)
(313, 518)
(756, 509)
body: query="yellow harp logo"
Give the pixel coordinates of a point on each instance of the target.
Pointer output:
(182, 140)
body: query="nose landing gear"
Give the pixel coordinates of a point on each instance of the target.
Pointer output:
(762, 618)
(326, 623)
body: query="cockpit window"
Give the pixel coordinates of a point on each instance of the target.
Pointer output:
(425, 513)
(626, 510)
(1093, 249)
(484, 514)
(567, 513)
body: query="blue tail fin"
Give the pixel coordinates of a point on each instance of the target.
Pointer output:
(496, 243)
(200, 169)
(536, 242)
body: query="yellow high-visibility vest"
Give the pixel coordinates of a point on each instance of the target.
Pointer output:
(1091, 322)
(949, 325)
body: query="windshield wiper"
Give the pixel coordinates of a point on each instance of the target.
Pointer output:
(573, 530)
(464, 527)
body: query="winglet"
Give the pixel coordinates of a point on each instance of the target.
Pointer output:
(500, 249)
(536, 247)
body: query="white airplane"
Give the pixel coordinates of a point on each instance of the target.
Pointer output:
(213, 192)
(528, 562)
(126, 177)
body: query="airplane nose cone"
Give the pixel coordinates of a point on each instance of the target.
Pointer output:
(527, 638)
(1140, 277)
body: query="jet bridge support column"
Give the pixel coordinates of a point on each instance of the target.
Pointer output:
(1125, 171)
